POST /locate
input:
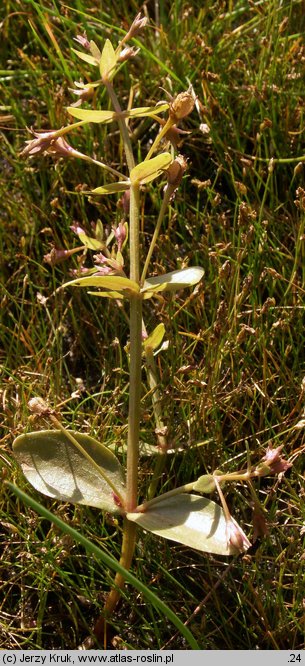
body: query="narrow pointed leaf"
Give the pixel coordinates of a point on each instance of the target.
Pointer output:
(120, 186)
(55, 467)
(194, 521)
(108, 59)
(155, 338)
(186, 277)
(147, 171)
(86, 57)
(112, 282)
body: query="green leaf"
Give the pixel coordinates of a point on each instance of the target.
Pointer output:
(112, 282)
(194, 521)
(99, 230)
(95, 52)
(205, 484)
(155, 338)
(186, 277)
(108, 59)
(150, 169)
(91, 116)
(144, 111)
(103, 116)
(90, 243)
(120, 186)
(55, 467)
(86, 57)
(107, 294)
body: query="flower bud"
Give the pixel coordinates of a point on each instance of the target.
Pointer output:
(120, 233)
(181, 106)
(138, 24)
(57, 255)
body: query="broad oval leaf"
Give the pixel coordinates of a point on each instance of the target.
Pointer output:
(150, 169)
(194, 521)
(55, 467)
(111, 282)
(108, 59)
(186, 277)
(112, 188)
(155, 338)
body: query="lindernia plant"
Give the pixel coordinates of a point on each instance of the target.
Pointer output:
(72, 466)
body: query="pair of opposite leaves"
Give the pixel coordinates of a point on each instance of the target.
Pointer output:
(91, 474)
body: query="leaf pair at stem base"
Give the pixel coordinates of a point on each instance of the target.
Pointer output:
(58, 469)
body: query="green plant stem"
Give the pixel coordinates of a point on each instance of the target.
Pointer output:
(168, 125)
(127, 551)
(167, 196)
(135, 356)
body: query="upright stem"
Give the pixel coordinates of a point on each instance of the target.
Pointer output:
(135, 356)
(127, 551)
(129, 528)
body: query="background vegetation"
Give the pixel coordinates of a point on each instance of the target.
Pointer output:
(233, 375)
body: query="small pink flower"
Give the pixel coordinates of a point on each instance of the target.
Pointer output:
(120, 235)
(274, 460)
(107, 266)
(77, 229)
(127, 53)
(51, 142)
(236, 537)
(41, 142)
(125, 201)
(83, 41)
